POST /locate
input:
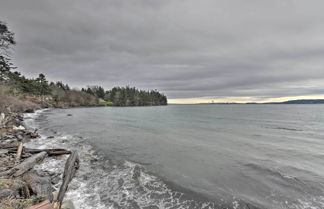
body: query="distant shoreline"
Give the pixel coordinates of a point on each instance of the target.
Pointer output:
(301, 101)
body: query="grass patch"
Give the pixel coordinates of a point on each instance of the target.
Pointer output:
(106, 103)
(9, 203)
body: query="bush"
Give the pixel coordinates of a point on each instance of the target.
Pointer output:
(10, 102)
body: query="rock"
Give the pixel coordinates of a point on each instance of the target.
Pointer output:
(69, 114)
(17, 185)
(20, 117)
(136, 172)
(74, 186)
(6, 162)
(39, 198)
(19, 137)
(12, 188)
(19, 128)
(120, 182)
(40, 185)
(47, 173)
(29, 111)
(3, 151)
(33, 135)
(151, 207)
(64, 141)
(68, 204)
(132, 204)
(2, 116)
(55, 180)
(6, 193)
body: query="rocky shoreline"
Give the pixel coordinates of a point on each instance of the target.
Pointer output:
(22, 185)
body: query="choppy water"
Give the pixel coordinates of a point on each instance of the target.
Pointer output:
(192, 156)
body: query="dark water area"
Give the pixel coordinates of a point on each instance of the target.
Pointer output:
(194, 156)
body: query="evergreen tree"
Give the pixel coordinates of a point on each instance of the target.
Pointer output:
(6, 42)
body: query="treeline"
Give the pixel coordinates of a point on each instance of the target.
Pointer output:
(55, 94)
(127, 96)
(14, 84)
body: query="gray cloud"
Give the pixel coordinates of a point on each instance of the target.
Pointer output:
(252, 48)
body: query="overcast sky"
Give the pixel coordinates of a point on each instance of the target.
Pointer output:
(251, 50)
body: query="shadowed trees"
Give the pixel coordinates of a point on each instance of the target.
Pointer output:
(127, 96)
(130, 96)
(6, 42)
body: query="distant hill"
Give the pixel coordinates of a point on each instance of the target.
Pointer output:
(300, 101)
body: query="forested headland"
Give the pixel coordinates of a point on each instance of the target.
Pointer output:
(127, 96)
(19, 93)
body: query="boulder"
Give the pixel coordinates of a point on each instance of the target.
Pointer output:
(136, 172)
(68, 204)
(12, 188)
(29, 111)
(39, 185)
(6, 193)
(3, 151)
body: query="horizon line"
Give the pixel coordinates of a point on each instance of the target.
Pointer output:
(242, 100)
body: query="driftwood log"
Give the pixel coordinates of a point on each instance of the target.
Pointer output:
(12, 148)
(25, 166)
(71, 165)
(50, 152)
(9, 146)
(19, 150)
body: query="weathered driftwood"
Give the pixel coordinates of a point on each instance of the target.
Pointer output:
(19, 150)
(39, 185)
(8, 146)
(43, 205)
(71, 165)
(50, 152)
(25, 166)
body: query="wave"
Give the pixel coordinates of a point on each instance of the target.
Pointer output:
(283, 128)
(309, 196)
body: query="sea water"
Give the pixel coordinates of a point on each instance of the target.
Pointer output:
(191, 156)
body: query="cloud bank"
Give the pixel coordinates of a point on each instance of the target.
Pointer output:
(209, 49)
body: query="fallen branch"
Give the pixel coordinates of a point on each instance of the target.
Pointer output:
(50, 152)
(19, 150)
(8, 146)
(71, 165)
